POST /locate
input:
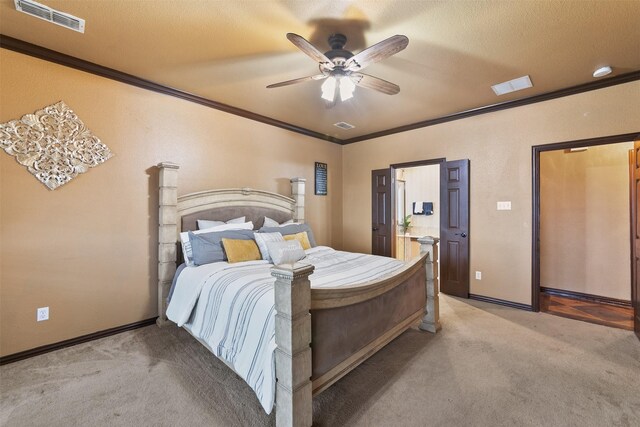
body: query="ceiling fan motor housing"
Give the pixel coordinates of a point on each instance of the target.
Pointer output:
(337, 54)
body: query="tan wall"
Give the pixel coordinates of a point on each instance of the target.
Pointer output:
(499, 147)
(88, 249)
(584, 220)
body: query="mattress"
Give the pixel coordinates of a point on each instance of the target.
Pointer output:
(230, 307)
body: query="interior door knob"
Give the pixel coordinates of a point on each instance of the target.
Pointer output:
(375, 228)
(463, 235)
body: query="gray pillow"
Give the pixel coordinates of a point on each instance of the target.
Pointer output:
(288, 252)
(291, 229)
(207, 247)
(263, 238)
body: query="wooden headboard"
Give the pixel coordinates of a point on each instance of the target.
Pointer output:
(178, 214)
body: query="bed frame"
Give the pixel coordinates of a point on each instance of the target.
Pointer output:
(346, 325)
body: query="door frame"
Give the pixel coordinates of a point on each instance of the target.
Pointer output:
(535, 198)
(393, 167)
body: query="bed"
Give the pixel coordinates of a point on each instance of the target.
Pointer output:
(321, 333)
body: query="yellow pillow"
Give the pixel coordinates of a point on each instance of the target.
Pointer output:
(241, 250)
(302, 237)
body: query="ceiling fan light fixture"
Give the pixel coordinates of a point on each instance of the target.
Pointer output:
(347, 87)
(329, 89)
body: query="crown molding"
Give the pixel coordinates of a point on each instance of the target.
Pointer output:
(40, 52)
(573, 90)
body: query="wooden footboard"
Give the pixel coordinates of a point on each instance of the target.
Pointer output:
(323, 334)
(350, 324)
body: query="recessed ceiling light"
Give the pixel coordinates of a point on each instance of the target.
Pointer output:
(602, 71)
(520, 83)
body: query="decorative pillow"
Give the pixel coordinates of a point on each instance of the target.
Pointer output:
(207, 247)
(263, 238)
(268, 222)
(241, 250)
(205, 223)
(286, 252)
(292, 229)
(300, 237)
(186, 244)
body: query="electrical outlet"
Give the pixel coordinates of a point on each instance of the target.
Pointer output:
(478, 275)
(42, 314)
(504, 206)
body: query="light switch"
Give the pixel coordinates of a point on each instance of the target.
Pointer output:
(504, 206)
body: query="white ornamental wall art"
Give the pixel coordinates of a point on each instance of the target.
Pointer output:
(53, 144)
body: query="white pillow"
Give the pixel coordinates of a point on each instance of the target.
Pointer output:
(268, 222)
(239, 220)
(205, 223)
(287, 252)
(186, 244)
(263, 238)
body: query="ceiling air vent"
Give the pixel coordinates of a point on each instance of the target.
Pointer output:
(520, 83)
(45, 12)
(344, 125)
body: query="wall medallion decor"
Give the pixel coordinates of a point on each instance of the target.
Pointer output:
(53, 144)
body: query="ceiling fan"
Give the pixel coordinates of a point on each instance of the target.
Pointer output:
(341, 69)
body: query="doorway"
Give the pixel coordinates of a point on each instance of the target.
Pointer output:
(581, 250)
(454, 189)
(417, 209)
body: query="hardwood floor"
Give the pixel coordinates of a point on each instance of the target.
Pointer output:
(587, 311)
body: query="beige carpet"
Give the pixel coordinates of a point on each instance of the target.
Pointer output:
(489, 366)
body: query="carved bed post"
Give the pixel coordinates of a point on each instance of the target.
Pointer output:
(431, 320)
(167, 234)
(293, 353)
(297, 193)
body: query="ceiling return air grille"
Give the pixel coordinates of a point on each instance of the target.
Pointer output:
(344, 125)
(45, 12)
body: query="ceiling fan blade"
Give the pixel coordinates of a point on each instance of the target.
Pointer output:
(300, 80)
(310, 50)
(370, 82)
(377, 52)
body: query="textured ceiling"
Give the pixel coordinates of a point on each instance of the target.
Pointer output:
(229, 51)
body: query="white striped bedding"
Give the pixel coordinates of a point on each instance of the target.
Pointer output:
(230, 307)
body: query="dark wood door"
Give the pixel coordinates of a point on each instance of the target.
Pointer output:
(634, 167)
(454, 228)
(381, 211)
